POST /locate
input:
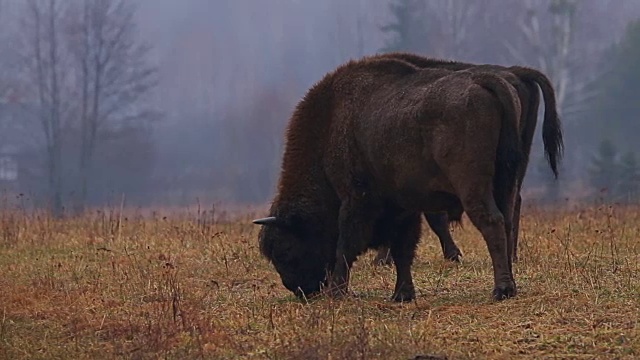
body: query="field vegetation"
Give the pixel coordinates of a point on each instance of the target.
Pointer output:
(141, 286)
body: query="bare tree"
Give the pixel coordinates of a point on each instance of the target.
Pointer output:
(566, 39)
(113, 74)
(43, 67)
(450, 24)
(439, 28)
(550, 31)
(9, 85)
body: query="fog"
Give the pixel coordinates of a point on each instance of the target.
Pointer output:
(207, 123)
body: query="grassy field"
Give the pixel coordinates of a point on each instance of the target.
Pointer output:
(109, 286)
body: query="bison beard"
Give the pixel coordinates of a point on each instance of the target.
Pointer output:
(526, 82)
(375, 144)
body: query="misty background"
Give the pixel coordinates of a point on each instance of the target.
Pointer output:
(169, 103)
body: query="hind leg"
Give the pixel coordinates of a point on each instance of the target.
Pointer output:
(505, 195)
(488, 219)
(491, 212)
(515, 232)
(439, 224)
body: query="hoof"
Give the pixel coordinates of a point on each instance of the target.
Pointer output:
(455, 256)
(404, 295)
(504, 292)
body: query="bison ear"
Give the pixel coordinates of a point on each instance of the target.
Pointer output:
(271, 220)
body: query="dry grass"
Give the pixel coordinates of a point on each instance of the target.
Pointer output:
(110, 287)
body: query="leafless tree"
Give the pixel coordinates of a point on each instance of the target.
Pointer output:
(90, 75)
(43, 66)
(113, 74)
(9, 87)
(549, 41)
(450, 27)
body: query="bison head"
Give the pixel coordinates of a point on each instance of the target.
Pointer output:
(297, 252)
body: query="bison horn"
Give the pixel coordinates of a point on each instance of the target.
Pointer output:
(266, 221)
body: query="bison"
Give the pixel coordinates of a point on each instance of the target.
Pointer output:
(375, 144)
(526, 81)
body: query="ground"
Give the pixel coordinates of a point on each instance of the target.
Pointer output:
(115, 286)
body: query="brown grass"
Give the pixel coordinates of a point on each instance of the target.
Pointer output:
(106, 286)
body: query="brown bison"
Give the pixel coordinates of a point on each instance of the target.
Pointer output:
(372, 146)
(526, 81)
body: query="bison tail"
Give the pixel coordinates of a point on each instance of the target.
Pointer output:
(509, 153)
(551, 127)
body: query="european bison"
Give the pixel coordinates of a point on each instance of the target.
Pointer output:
(376, 143)
(526, 81)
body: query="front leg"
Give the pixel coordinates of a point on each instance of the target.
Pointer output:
(355, 224)
(403, 249)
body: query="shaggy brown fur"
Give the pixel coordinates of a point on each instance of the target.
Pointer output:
(526, 82)
(373, 145)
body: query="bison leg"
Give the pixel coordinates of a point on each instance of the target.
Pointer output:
(506, 199)
(516, 227)
(355, 233)
(486, 216)
(403, 249)
(439, 223)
